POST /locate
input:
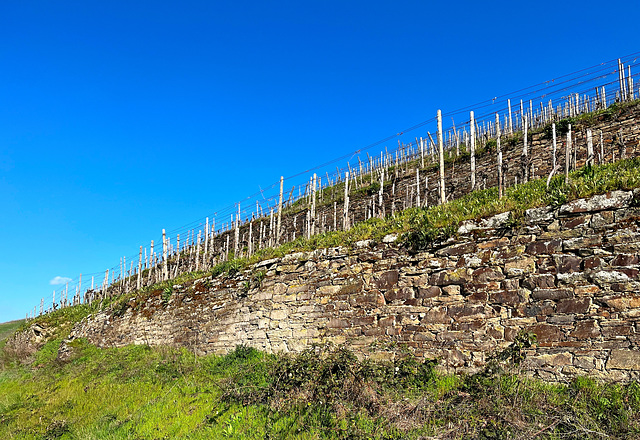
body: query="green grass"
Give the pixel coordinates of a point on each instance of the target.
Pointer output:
(138, 392)
(7, 329)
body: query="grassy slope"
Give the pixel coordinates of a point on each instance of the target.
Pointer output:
(153, 393)
(7, 328)
(138, 392)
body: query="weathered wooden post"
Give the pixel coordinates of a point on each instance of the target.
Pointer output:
(206, 242)
(567, 156)
(279, 225)
(473, 152)
(345, 209)
(198, 252)
(138, 284)
(418, 204)
(313, 201)
(553, 132)
(499, 152)
(589, 148)
(510, 119)
(236, 236)
(380, 195)
(250, 248)
(443, 198)
(525, 151)
(165, 269)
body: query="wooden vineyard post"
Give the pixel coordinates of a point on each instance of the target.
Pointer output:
(525, 151)
(473, 152)
(621, 80)
(138, 284)
(380, 195)
(345, 209)
(499, 151)
(555, 147)
(178, 255)
(441, 152)
(335, 217)
(165, 271)
(418, 187)
(150, 262)
(105, 283)
(601, 148)
(206, 243)
(198, 252)
(250, 248)
(510, 120)
(313, 203)
(279, 225)
(567, 156)
(589, 148)
(236, 236)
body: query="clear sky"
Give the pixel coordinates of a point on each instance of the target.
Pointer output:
(118, 119)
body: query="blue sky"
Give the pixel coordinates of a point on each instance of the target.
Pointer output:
(119, 119)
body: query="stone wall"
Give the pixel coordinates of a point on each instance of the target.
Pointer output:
(570, 275)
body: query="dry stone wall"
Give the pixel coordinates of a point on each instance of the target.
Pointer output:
(570, 275)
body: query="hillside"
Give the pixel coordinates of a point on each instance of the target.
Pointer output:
(492, 316)
(8, 328)
(69, 389)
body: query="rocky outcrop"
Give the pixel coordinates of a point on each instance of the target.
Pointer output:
(570, 275)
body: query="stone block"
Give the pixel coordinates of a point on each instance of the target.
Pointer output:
(570, 223)
(592, 263)
(496, 243)
(585, 330)
(451, 290)
(601, 219)
(567, 263)
(520, 266)
(338, 323)
(612, 200)
(445, 277)
(278, 315)
(625, 260)
(624, 360)
(623, 302)
(538, 215)
(553, 359)
(543, 281)
(387, 321)
(387, 280)
(546, 333)
(609, 276)
(617, 329)
(436, 315)
(585, 362)
(509, 297)
(552, 294)
(544, 247)
(429, 292)
(457, 249)
(570, 306)
(486, 274)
